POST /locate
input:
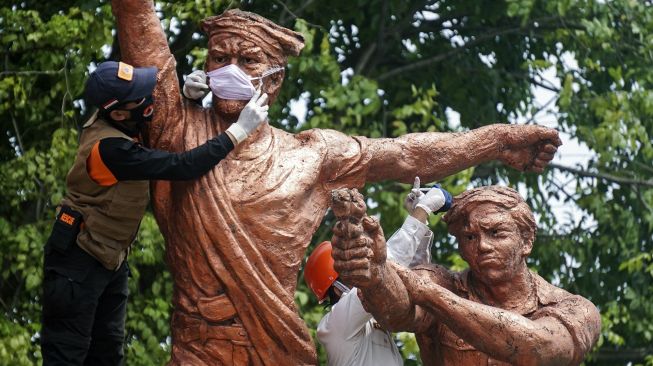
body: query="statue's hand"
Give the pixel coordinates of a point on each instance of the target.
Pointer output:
(528, 147)
(359, 251)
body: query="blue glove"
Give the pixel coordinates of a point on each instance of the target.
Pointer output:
(448, 200)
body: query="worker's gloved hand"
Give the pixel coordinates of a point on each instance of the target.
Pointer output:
(195, 86)
(435, 200)
(254, 113)
(413, 197)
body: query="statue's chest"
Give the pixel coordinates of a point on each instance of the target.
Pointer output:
(279, 180)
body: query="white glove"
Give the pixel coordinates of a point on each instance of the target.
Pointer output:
(254, 113)
(195, 86)
(413, 197)
(432, 201)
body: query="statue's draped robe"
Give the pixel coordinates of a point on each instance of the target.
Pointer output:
(242, 229)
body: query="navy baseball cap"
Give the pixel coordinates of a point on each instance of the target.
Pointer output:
(113, 83)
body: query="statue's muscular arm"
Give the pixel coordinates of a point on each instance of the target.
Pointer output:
(433, 156)
(143, 43)
(389, 302)
(142, 40)
(503, 334)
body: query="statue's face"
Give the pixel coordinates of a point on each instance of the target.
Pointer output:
(230, 48)
(492, 245)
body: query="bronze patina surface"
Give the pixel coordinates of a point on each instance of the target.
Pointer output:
(236, 237)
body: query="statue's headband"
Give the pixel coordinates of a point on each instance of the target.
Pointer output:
(503, 197)
(262, 31)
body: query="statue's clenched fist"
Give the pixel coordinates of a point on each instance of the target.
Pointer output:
(358, 244)
(527, 147)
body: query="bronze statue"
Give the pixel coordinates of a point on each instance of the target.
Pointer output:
(236, 237)
(497, 312)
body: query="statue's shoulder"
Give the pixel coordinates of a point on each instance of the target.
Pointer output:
(579, 315)
(327, 136)
(550, 294)
(313, 137)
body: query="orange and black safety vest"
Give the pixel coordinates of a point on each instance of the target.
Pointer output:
(112, 210)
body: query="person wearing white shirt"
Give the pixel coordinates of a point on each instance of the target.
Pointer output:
(350, 334)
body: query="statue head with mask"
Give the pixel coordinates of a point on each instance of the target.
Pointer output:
(245, 52)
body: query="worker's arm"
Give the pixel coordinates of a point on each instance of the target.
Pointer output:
(411, 244)
(114, 159)
(412, 239)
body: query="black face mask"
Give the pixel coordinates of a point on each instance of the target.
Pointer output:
(137, 117)
(144, 112)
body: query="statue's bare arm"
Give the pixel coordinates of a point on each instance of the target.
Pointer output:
(433, 156)
(143, 44)
(142, 40)
(503, 334)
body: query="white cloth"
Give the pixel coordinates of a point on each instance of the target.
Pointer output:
(411, 244)
(351, 339)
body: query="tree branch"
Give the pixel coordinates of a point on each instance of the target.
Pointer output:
(643, 166)
(604, 176)
(623, 355)
(440, 57)
(381, 34)
(282, 17)
(543, 107)
(294, 16)
(561, 188)
(542, 85)
(365, 58)
(19, 139)
(543, 22)
(31, 72)
(378, 46)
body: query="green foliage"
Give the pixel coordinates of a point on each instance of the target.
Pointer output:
(379, 68)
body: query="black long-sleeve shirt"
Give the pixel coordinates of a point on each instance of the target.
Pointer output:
(128, 160)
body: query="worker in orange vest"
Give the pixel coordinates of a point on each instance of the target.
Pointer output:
(85, 279)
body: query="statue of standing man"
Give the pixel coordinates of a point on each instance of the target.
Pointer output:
(236, 237)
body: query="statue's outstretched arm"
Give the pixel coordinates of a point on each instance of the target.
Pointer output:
(434, 156)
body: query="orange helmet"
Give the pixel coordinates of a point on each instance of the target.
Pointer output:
(318, 272)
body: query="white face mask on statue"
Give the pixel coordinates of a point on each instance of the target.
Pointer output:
(230, 82)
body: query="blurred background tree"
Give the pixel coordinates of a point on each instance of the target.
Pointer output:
(374, 68)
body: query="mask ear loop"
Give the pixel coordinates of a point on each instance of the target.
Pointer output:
(266, 73)
(272, 70)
